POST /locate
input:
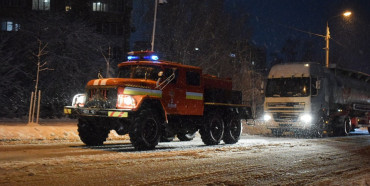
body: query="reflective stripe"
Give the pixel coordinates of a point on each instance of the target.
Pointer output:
(118, 114)
(142, 91)
(67, 111)
(104, 82)
(100, 82)
(194, 95)
(96, 82)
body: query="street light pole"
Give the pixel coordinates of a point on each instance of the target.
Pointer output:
(327, 38)
(154, 23)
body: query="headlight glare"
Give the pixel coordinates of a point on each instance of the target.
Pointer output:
(267, 117)
(307, 118)
(79, 100)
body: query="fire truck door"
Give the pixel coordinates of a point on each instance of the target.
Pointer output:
(194, 93)
(173, 94)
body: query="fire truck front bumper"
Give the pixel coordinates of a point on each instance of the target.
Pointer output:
(96, 112)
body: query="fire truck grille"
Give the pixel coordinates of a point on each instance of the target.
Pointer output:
(101, 98)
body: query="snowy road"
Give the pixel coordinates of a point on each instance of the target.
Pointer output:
(255, 160)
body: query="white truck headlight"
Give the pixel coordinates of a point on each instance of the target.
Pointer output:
(267, 117)
(306, 118)
(79, 100)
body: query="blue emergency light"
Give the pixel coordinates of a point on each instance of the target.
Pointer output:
(130, 58)
(137, 56)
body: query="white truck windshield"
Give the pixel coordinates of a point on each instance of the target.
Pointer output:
(288, 87)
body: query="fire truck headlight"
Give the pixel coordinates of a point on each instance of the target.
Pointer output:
(125, 101)
(79, 100)
(267, 117)
(307, 118)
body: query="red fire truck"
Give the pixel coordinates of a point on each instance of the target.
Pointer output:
(153, 100)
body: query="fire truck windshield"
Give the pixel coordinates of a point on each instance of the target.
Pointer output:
(288, 87)
(139, 72)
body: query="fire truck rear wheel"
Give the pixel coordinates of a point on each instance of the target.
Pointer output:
(90, 133)
(186, 136)
(213, 130)
(233, 130)
(146, 131)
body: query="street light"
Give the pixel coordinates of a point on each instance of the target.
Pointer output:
(327, 36)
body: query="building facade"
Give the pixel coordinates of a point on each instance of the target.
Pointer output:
(111, 18)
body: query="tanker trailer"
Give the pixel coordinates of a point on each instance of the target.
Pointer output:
(307, 98)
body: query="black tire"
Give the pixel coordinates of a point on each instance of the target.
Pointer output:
(233, 130)
(213, 130)
(344, 128)
(188, 136)
(146, 131)
(347, 126)
(368, 129)
(90, 133)
(277, 132)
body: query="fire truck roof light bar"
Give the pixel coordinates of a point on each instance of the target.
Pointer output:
(151, 58)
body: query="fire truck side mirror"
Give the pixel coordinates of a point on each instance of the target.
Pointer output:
(318, 84)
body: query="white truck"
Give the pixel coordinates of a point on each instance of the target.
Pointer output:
(309, 99)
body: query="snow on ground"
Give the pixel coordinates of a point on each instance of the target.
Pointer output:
(48, 131)
(52, 154)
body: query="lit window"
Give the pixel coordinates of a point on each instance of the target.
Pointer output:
(40, 4)
(9, 26)
(100, 7)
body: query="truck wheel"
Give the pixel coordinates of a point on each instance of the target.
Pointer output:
(213, 130)
(233, 130)
(277, 132)
(186, 136)
(347, 126)
(90, 133)
(146, 130)
(344, 128)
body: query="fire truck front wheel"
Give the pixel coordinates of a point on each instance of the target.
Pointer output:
(146, 130)
(90, 133)
(213, 130)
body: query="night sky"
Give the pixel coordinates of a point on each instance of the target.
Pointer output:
(272, 23)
